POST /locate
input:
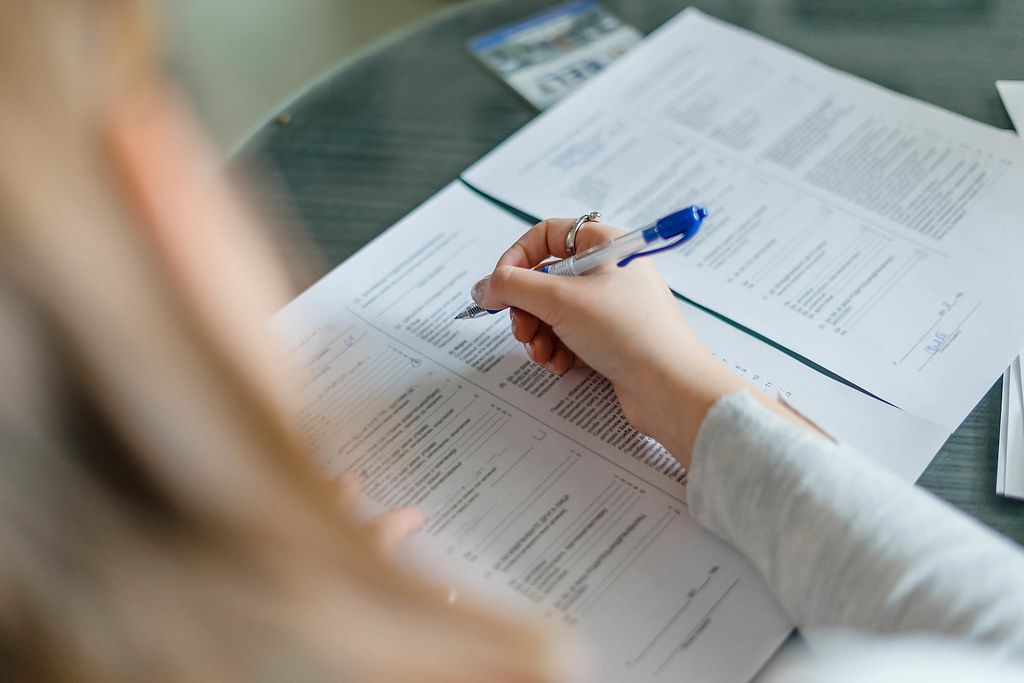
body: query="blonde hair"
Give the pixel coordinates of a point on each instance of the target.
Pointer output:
(159, 519)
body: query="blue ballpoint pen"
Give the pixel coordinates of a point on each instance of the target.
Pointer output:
(682, 224)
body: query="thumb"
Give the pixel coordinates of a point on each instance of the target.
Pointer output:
(530, 290)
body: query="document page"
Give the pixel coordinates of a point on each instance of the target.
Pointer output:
(1010, 469)
(893, 438)
(874, 234)
(1011, 446)
(535, 487)
(1012, 94)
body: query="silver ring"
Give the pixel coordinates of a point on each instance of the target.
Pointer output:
(570, 237)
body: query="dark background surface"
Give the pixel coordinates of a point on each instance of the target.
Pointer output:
(385, 131)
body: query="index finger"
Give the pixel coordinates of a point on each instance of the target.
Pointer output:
(545, 239)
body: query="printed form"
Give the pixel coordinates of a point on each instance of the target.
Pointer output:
(871, 233)
(536, 489)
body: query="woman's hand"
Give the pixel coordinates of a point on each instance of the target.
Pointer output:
(623, 322)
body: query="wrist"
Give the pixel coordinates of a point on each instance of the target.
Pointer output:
(687, 391)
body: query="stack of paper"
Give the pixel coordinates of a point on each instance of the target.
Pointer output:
(1010, 470)
(876, 235)
(536, 489)
(873, 234)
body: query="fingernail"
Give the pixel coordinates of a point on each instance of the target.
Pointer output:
(479, 291)
(529, 351)
(515, 325)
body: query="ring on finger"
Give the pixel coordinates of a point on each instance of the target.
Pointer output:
(570, 237)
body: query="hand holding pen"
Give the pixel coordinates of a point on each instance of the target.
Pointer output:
(666, 233)
(624, 323)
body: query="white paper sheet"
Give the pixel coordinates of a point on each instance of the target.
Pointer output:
(1010, 472)
(536, 489)
(1004, 421)
(894, 438)
(1012, 94)
(871, 233)
(1014, 477)
(1011, 457)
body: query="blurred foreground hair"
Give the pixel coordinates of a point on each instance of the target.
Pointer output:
(159, 519)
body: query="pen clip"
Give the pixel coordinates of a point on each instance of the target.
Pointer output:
(650, 252)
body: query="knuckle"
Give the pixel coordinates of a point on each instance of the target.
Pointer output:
(549, 224)
(554, 231)
(539, 233)
(502, 278)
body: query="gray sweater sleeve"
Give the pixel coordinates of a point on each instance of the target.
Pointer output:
(845, 544)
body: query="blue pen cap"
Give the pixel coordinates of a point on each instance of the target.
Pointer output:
(678, 227)
(684, 222)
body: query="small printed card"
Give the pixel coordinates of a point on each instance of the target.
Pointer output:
(546, 56)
